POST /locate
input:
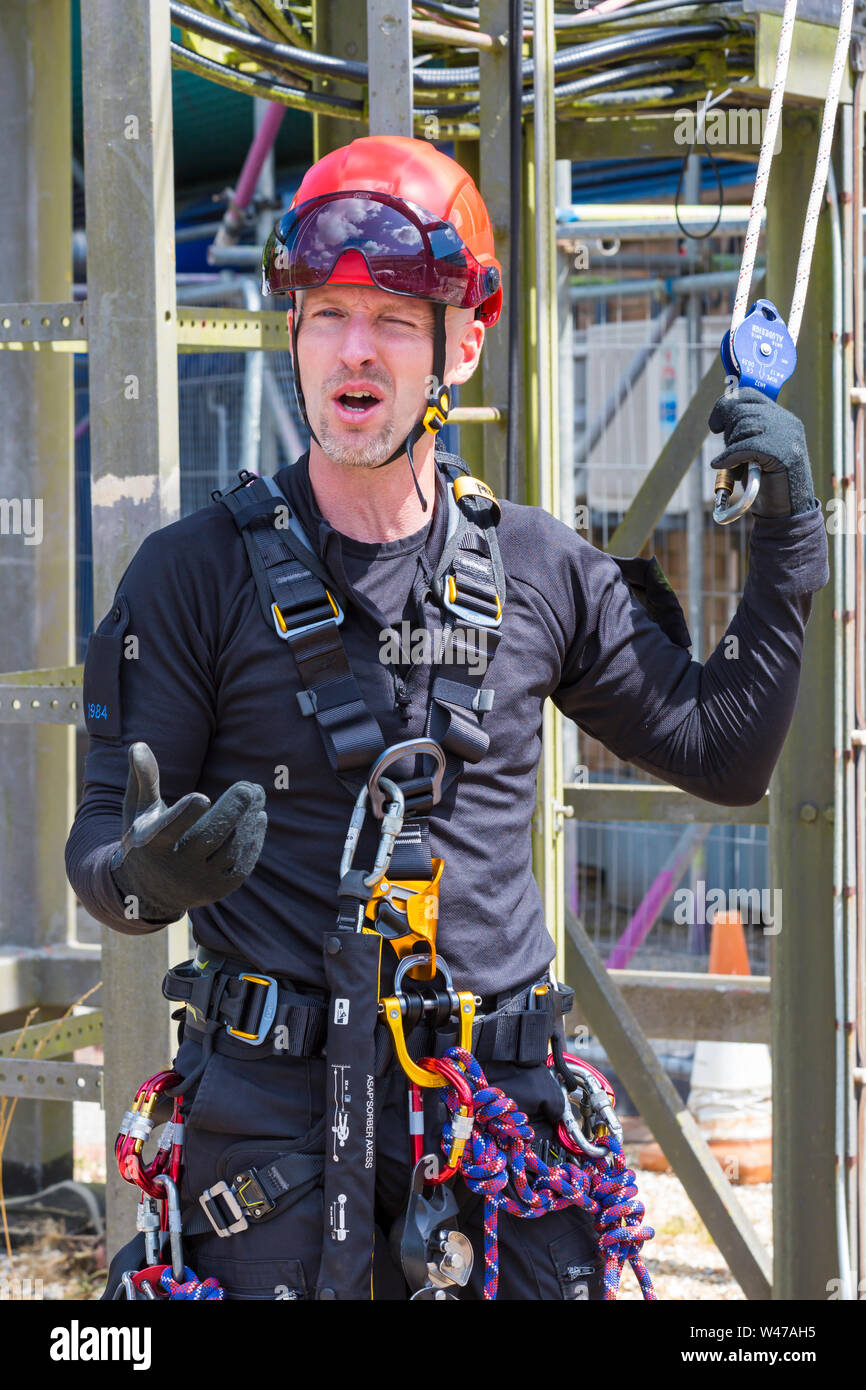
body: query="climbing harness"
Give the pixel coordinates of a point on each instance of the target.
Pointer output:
(486, 1140)
(385, 1004)
(759, 350)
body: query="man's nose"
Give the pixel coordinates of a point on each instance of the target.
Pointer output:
(358, 343)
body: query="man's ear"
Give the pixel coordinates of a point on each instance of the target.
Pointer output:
(468, 352)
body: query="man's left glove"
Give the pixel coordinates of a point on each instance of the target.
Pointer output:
(171, 859)
(758, 429)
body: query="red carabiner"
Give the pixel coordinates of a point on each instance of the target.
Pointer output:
(461, 1121)
(135, 1130)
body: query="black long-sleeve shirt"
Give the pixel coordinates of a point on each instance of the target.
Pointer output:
(212, 691)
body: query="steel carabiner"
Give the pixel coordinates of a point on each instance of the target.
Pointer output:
(392, 823)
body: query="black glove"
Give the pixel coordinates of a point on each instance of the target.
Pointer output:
(759, 430)
(188, 855)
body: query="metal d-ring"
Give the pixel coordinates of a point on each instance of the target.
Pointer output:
(393, 754)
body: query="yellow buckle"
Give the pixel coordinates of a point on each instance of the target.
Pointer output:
(269, 1010)
(436, 414)
(451, 595)
(282, 626)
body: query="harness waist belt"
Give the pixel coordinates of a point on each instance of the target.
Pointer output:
(248, 1013)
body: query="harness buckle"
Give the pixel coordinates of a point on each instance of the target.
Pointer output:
(269, 1010)
(244, 477)
(239, 1221)
(248, 1189)
(476, 616)
(284, 631)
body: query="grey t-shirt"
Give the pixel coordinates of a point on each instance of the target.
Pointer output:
(213, 694)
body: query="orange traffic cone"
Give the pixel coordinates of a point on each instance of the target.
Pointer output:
(731, 1089)
(728, 952)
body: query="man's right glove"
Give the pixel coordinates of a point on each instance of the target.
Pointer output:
(758, 428)
(172, 859)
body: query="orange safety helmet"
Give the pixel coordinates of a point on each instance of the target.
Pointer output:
(399, 177)
(414, 171)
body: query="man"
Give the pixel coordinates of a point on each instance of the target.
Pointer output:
(240, 712)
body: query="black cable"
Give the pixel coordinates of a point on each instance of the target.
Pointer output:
(566, 61)
(582, 55)
(272, 90)
(699, 236)
(515, 130)
(575, 21)
(615, 45)
(608, 77)
(259, 47)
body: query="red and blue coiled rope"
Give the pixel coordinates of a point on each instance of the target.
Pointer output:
(499, 1154)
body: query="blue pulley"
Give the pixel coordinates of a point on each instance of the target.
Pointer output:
(759, 353)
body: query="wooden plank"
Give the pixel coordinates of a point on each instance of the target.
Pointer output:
(687, 1006)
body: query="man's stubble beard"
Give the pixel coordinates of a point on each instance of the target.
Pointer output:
(362, 452)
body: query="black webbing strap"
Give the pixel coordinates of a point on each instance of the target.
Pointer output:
(253, 1194)
(412, 857)
(469, 515)
(288, 574)
(291, 579)
(469, 584)
(299, 600)
(222, 999)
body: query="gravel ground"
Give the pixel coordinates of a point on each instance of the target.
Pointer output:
(52, 1264)
(683, 1261)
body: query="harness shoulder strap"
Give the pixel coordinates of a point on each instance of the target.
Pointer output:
(298, 599)
(469, 584)
(473, 512)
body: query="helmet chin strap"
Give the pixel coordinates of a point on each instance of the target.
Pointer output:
(435, 414)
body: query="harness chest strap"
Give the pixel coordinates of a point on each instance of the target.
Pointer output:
(306, 609)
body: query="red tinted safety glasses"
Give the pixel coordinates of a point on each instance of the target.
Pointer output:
(407, 250)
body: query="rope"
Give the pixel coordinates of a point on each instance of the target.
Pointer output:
(191, 1287)
(499, 1156)
(819, 179)
(822, 163)
(765, 159)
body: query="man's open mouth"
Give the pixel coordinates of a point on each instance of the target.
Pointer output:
(356, 404)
